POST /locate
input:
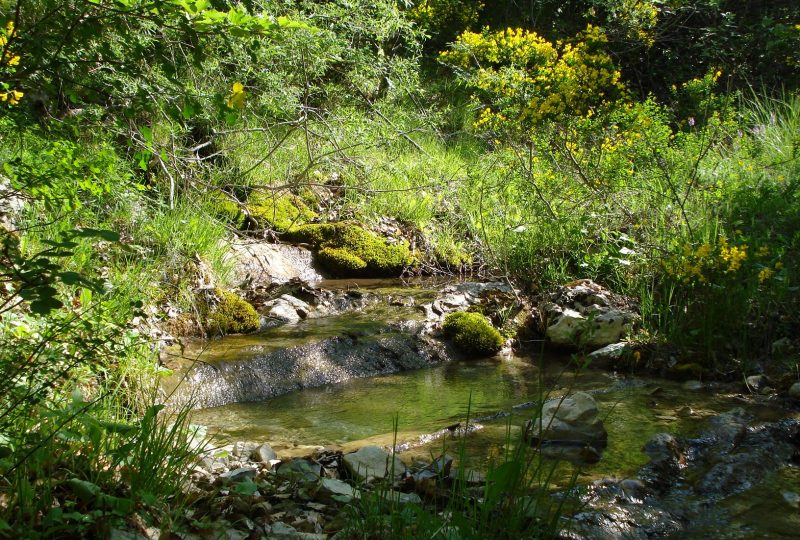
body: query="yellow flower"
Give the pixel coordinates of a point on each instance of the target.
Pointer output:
(765, 274)
(236, 99)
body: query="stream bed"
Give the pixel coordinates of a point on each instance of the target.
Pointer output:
(497, 393)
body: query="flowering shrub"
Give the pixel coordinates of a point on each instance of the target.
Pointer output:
(8, 65)
(522, 80)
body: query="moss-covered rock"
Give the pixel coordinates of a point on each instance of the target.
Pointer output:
(231, 315)
(341, 261)
(347, 250)
(280, 212)
(226, 209)
(472, 333)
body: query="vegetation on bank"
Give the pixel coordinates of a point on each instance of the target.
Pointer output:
(650, 146)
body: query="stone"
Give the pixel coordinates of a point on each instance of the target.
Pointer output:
(281, 310)
(330, 488)
(398, 497)
(572, 419)
(607, 355)
(791, 498)
(692, 386)
(239, 475)
(372, 461)
(261, 264)
(469, 476)
(263, 454)
(242, 449)
(584, 313)
(756, 383)
(301, 470)
(794, 391)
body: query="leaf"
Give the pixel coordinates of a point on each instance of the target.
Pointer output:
(85, 491)
(104, 234)
(147, 134)
(247, 487)
(44, 306)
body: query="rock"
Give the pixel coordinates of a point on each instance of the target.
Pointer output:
(263, 454)
(692, 386)
(756, 383)
(302, 308)
(633, 489)
(469, 476)
(791, 498)
(260, 264)
(281, 310)
(372, 461)
(330, 488)
(281, 531)
(300, 470)
(242, 449)
(239, 475)
(781, 346)
(609, 354)
(572, 419)
(401, 498)
(794, 391)
(584, 313)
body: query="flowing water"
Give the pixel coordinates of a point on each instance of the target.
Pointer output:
(497, 393)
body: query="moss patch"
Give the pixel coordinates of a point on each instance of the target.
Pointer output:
(232, 315)
(472, 333)
(279, 212)
(347, 250)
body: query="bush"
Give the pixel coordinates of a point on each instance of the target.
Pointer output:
(472, 333)
(347, 250)
(232, 315)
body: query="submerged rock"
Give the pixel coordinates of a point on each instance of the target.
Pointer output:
(571, 419)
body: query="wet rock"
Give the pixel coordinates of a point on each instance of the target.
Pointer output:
(263, 453)
(572, 419)
(374, 462)
(239, 475)
(584, 313)
(794, 391)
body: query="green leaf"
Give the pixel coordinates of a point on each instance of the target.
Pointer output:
(44, 306)
(85, 491)
(247, 487)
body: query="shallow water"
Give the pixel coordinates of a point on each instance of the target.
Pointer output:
(363, 411)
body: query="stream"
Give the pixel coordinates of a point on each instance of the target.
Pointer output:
(498, 394)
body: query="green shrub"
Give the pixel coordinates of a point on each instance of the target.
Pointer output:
(279, 212)
(233, 315)
(472, 333)
(343, 247)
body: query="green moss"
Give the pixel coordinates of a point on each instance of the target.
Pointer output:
(279, 212)
(342, 245)
(232, 315)
(472, 333)
(226, 209)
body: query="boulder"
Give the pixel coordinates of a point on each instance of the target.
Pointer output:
(572, 419)
(584, 313)
(300, 470)
(794, 391)
(258, 264)
(282, 311)
(372, 461)
(239, 475)
(332, 489)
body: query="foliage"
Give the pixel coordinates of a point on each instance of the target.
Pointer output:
(279, 212)
(472, 333)
(231, 314)
(521, 79)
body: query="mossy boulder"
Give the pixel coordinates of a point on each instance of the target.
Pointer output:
(231, 315)
(227, 210)
(279, 212)
(347, 250)
(472, 333)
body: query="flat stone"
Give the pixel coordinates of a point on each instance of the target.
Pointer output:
(609, 353)
(240, 474)
(372, 461)
(300, 469)
(330, 488)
